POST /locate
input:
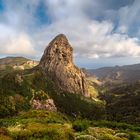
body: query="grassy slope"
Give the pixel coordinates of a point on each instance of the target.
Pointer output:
(44, 125)
(7, 64)
(13, 60)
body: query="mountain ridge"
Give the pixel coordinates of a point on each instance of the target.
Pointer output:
(126, 73)
(17, 63)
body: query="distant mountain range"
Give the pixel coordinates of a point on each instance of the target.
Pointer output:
(126, 73)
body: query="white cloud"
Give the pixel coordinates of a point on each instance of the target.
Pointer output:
(89, 37)
(20, 45)
(122, 29)
(15, 43)
(129, 15)
(15, 23)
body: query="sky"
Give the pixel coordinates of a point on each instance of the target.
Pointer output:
(101, 32)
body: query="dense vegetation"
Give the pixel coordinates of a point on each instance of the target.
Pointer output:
(17, 88)
(44, 125)
(122, 102)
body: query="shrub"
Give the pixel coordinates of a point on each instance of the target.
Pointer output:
(44, 116)
(3, 131)
(3, 137)
(39, 131)
(134, 136)
(80, 125)
(77, 105)
(104, 134)
(7, 107)
(116, 125)
(85, 137)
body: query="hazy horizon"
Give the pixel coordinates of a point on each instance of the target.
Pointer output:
(90, 65)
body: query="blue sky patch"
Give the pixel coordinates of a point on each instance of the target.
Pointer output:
(41, 14)
(2, 6)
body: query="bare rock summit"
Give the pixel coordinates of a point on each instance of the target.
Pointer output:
(57, 61)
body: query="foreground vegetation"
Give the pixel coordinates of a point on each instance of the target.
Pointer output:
(80, 118)
(44, 125)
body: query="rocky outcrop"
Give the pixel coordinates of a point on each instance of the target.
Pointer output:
(47, 104)
(57, 62)
(26, 65)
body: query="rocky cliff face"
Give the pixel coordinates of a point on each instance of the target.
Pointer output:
(57, 62)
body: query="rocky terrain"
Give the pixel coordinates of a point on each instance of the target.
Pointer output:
(57, 62)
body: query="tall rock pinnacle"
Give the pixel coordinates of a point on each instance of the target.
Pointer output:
(57, 61)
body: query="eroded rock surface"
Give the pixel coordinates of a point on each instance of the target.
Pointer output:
(57, 62)
(47, 104)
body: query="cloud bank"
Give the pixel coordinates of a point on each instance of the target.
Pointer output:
(95, 28)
